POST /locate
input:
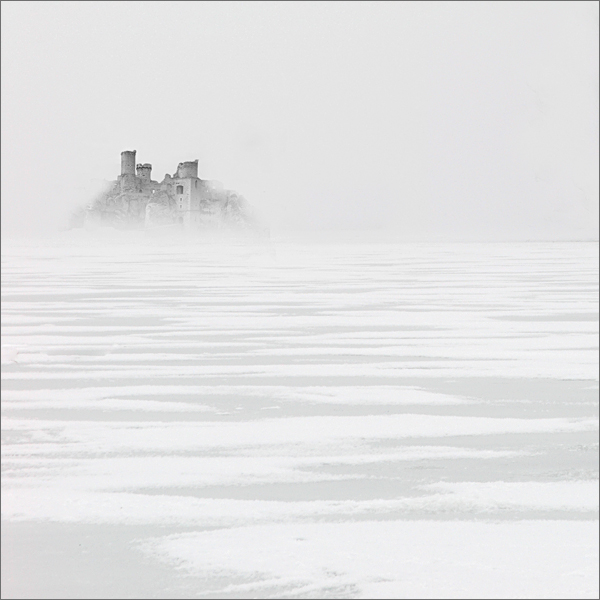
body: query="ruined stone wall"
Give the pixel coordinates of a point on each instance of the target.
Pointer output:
(129, 183)
(187, 169)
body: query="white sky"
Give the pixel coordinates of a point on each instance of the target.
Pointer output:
(434, 120)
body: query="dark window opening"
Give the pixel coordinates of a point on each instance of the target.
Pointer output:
(180, 189)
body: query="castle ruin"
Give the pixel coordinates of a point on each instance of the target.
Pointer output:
(135, 200)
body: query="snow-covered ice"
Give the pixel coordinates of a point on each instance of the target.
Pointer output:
(299, 420)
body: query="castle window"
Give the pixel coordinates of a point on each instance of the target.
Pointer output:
(180, 189)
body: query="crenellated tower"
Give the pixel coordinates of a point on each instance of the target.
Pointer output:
(144, 172)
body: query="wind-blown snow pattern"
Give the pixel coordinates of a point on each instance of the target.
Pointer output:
(300, 420)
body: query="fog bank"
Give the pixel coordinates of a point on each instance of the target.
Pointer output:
(460, 121)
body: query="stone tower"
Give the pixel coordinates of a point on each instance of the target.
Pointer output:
(127, 178)
(128, 162)
(144, 172)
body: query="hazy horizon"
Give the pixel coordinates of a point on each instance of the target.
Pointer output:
(427, 121)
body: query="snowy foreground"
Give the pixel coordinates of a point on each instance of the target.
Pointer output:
(299, 420)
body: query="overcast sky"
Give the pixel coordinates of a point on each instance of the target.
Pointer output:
(434, 120)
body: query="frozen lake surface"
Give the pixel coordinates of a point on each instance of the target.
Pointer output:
(337, 420)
